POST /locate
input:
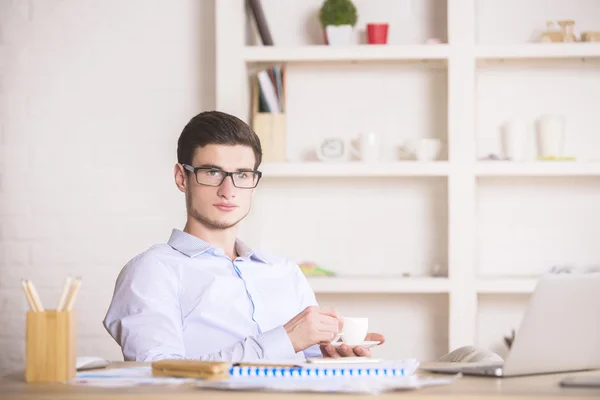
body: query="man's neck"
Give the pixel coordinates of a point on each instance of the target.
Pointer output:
(221, 238)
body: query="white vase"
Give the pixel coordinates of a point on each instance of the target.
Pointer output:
(514, 140)
(551, 136)
(339, 35)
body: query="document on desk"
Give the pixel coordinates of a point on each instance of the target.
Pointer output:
(338, 377)
(121, 377)
(364, 385)
(353, 377)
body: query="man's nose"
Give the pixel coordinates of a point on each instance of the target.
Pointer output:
(227, 187)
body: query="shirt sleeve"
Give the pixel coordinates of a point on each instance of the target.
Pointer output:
(145, 319)
(307, 298)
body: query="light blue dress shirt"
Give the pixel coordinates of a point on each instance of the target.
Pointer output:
(187, 299)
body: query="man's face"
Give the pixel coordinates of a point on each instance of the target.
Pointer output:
(223, 206)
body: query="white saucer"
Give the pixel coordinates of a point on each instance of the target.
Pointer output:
(366, 344)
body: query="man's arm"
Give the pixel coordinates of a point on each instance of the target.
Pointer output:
(307, 299)
(145, 319)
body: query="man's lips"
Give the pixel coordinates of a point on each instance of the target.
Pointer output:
(225, 206)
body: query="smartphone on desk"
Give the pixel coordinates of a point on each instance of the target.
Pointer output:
(585, 381)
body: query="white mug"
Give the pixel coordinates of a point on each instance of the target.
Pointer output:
(370, 147)
(354, 331)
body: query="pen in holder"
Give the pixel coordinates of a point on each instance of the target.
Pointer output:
(50, 337)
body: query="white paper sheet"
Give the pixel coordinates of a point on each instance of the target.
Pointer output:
(354, 382)
(119, 377)
(367, 385)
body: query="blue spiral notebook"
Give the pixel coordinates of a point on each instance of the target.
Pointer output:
(330, 369)
(363, 378)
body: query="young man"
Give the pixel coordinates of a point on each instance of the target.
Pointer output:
(205, 294)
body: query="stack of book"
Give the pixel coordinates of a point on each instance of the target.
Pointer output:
(271, 90)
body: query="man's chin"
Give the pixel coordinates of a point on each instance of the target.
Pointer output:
(219, 223)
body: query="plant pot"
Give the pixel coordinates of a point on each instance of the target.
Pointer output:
(338, 35)
(377, 33)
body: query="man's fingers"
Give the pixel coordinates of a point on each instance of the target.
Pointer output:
(329, 310)
(332, 312)
(362, 352)
(324, 337)
(376, 337)
(328, 324)
(330, 351)
(346, 351)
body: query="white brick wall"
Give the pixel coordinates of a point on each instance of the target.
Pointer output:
(93, 96)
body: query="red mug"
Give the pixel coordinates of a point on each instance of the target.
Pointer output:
(377, 33)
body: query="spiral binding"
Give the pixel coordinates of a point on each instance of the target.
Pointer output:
(314, 372)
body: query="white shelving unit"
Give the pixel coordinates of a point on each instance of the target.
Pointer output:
(378, 285)
(319, 169)
(462, 176)
(321, 53)
(538, 168)
(316, 53)
(550, 51)
(505, 286)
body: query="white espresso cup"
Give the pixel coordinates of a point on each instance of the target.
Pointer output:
(354, 331)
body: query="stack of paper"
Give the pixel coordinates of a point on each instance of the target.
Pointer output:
(334, 376)
(119, 377)
(336, 385)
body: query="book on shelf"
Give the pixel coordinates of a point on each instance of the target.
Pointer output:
(268, 112)
(271, 90)
(261, 22)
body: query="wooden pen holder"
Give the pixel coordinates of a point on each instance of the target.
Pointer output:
(50, 346)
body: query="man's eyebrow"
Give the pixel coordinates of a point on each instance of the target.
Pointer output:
(210, 166)
(220, 168)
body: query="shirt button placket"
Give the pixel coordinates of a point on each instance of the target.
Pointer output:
(239, 273)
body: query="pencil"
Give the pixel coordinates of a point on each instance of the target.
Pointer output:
(65, 292)
(34, 296)
(74, 289)
(28, 295)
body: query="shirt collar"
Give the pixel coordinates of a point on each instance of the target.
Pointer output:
(193, 246)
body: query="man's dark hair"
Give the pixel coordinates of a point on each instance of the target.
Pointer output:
(215, 127)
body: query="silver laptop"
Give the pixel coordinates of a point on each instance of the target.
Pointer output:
(559, 332)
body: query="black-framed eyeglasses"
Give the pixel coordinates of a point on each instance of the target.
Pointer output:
(210, 176)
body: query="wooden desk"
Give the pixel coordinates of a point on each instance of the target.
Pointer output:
(532, 387)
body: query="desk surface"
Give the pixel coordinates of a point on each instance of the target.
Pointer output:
(532, 387)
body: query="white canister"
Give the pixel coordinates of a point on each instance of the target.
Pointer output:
(370, 147)
(514, 139)
(551, 137)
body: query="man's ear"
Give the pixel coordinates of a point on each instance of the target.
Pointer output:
(180, 177)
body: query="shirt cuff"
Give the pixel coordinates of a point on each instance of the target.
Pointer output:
(313, 351)
(276, 344)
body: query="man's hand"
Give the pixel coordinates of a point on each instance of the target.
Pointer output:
(312, 326)
(344, 350)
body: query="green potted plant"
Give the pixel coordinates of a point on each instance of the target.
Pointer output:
(338, 18)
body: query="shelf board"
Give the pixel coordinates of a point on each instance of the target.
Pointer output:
(506, 286)
(354, 169)
(317, 53)
(538, 51)
(537, 168)
(362, 284)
